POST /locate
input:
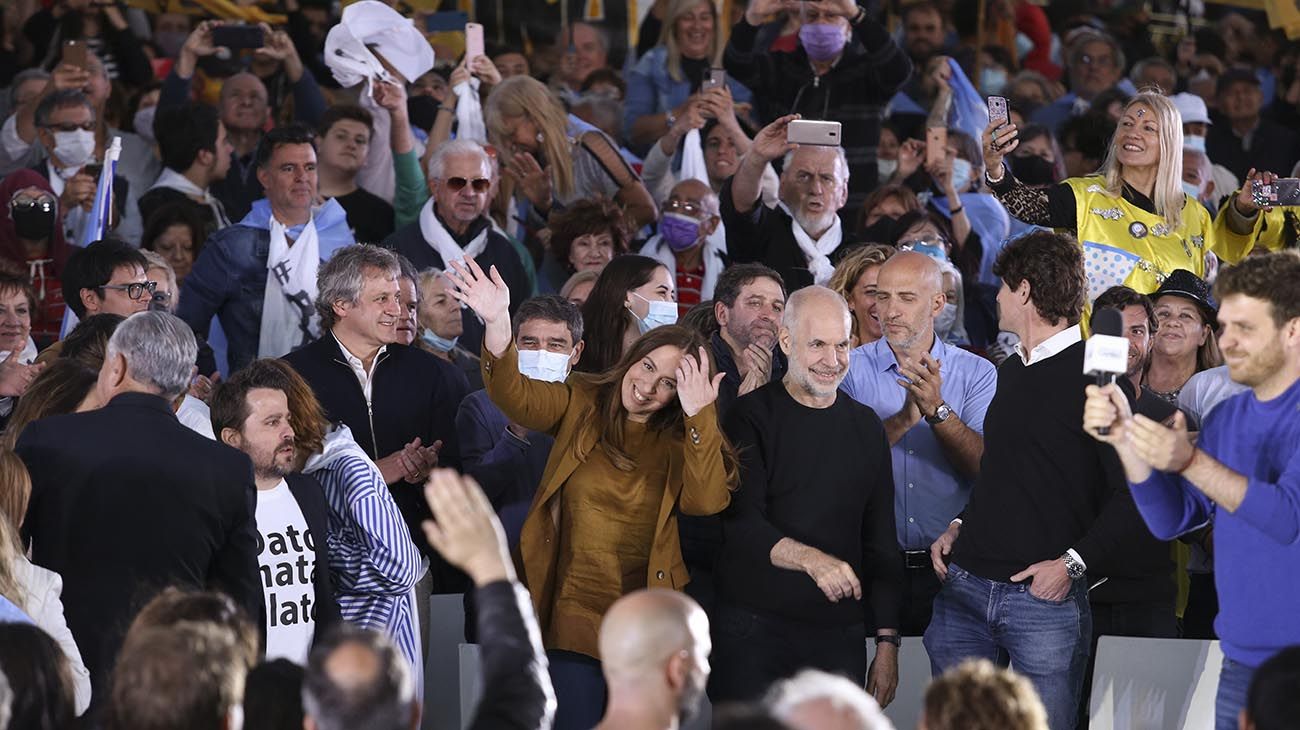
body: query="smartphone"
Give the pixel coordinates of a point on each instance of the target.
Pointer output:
(1283, 191)
(936, 145)
(236, 37)
(94, 169)
(814, 132)
(74, 54)
(716, 79)
(473, 42)
(998, 114)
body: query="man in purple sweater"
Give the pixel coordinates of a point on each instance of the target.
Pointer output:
(1244, 472)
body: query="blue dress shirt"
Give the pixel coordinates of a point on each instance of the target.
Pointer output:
(928, 491)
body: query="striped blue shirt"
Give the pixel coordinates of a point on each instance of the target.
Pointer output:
(373, 561)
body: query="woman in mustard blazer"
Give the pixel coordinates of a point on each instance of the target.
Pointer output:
(633, 446)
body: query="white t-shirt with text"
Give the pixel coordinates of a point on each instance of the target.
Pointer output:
(286, 557)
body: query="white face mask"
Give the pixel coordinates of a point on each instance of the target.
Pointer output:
(886, 168)
(1194, 143)
(961, 171)
(544, 365)
(660, 314)
(1192, 190)
(74, 148)
(946, 321)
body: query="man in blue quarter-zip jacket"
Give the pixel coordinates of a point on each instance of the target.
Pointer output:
(1243, 473)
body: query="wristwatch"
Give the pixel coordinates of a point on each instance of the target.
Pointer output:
(889, 639)
(1073, 568)
(941, 414)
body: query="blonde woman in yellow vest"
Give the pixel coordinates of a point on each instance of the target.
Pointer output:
(1134, 221)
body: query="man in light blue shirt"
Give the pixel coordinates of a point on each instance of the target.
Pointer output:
(932, 398)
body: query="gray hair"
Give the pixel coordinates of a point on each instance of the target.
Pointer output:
(156, 261)
(1141, 67)
(21, 78)
(340, 279)
(811, 685)
(382, 701)
(844, 161)
(795, 302)
(1202, 162)
(1085, 37)
(160, 351)
(59, 100)
(409, 272)
(438, 161)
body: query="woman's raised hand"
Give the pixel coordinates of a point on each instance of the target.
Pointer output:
(695, 389)
(485, 293)
(999, 141)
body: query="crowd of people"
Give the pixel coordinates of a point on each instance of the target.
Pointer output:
(307, 320)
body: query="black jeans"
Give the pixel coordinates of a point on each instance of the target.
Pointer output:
(920, 586)
(751, 651)
(1202, 607)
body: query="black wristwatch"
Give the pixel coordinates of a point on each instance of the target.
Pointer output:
(894, 639)
(941, 414)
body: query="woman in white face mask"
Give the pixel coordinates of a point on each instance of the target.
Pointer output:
(633, 295)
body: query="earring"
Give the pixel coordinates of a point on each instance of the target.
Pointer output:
(540, 138)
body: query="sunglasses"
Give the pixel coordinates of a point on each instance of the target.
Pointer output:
(135, 290)
(479, 184)
(26, 202)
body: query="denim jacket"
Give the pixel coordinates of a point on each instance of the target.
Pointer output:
(650, 90)
(229, 281)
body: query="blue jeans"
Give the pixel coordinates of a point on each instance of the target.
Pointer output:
(579, 690)
(1234, 681)
(1046, 641)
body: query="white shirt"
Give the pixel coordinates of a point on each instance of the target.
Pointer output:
(366, 378)
(1053, 345)
(195, 415)
(286, 559)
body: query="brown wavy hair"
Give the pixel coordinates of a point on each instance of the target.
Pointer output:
(610, 417)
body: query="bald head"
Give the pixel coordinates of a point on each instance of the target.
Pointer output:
(692, 190)
(357, 678)
(642, 630)
(813, 304)
(917, 270)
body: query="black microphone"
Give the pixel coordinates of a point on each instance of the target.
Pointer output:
(1106, 354)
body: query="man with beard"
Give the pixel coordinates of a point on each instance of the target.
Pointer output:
(748, 302)
(801, 237)
(933, 397)
(654, 649)
(251, 413)
(810, 558)
(1243, 472)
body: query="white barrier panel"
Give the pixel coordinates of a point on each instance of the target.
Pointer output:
(1154, 684)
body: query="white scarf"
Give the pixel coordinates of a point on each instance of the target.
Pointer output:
(441, 241)
(289, 318)
(178, 182)
(714, 246)
(818, 252)
(693, 167)
(469, 112)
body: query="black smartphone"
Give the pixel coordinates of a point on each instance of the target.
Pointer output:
(1283, 191)
(236, 37)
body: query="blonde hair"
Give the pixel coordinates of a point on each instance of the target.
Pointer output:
(976, 695)
(1168, 196)
(525, 96)
(668, 35)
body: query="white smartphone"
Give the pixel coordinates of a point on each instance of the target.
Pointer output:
(473, 42)
(814, 132)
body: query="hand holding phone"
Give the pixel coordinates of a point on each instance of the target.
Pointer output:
(238, 37)
(74, 54)
(998, 111)
(1282, 191)
(473, 42)
(936, 145)
(813, 132)
(716, 79)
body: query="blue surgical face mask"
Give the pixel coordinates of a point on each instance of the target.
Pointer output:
(1192, 142)
(544, 365)
(946, 321)
(961, 171)
(441, 344)
(660, 314)
(1024, 44)
(1192, 190)
(993, 81)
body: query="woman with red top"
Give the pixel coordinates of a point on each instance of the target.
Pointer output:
(31, 237)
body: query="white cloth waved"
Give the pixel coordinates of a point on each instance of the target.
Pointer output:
(469, 112)
(289, 318)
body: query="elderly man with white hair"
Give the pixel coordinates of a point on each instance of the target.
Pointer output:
(815, 700)
(126, 500)
(809, 565)
(802, 237)
(454, 224)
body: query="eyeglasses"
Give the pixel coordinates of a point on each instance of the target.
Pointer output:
(71, 127)
(27, 202)
(688, 207)
(1090, 60)
(134, 290)
(479, 184)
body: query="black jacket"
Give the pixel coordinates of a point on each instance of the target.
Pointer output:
(517, 693)
(127, 501)
(414, 394)
(854, 92)
(310, 497)
(409, 242)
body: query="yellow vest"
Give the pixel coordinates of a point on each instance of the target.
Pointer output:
(1123, 244)
(1273, 234)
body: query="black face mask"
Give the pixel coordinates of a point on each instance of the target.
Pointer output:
(1033, 170)
(882, 231)
(33, 222)
(422, 110)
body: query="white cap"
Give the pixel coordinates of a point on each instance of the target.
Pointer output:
(372, 23)
(1191, 108)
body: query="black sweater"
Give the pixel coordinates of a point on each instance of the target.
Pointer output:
(1045, 485)
(821, 477)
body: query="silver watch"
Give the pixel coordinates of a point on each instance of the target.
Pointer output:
(941, 414)
(1073, 568)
